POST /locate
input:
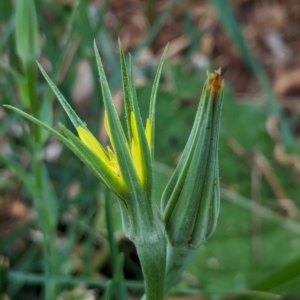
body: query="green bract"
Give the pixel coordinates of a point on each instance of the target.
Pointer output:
(191, 199)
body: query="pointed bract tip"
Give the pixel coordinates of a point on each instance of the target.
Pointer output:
(215, 81)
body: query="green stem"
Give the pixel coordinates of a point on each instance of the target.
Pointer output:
(50, 266)
(145, 228)
(47, 226)
(177, 261)
(31, 74)
(153, 258)
(40, 203)
(32, 279)
(117, 273)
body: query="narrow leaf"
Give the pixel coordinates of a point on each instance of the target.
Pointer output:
(92, 161)
(153, 98)
(118, 138)
(74, 144)
(288, 272)
(108, 291)
(127, 92)
(43, 125)
(68, 109)
(27, 40)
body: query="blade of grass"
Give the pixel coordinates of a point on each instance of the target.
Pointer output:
(288, 272)
(64, 103)
(28, 48)
(115, 257)
(33, 279)
(264, 212)
(87, 246)
(58, 64)
(108, 291)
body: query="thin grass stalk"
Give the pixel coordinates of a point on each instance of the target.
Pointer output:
(34, 279)
(119, 282)
(39, 201)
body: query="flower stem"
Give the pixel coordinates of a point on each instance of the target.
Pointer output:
(153, 259)
(177, 261)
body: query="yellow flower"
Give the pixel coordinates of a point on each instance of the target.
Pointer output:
(108, 156)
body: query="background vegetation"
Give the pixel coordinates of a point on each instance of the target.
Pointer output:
(55, 239)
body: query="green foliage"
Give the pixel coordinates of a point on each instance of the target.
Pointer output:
(230, 262)
(27, 39)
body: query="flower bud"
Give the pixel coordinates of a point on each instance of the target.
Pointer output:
(191, 199)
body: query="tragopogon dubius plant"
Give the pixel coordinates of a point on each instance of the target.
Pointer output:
(166, 238)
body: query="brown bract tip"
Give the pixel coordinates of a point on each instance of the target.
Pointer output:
(215, 82)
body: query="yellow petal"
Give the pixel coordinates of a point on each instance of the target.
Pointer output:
(148, 132)
(106, 125)
(134, 128)
(91, 142)
(108, 158)
(136, 159)
(108, 131)
(113, 162)
(136, 154)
